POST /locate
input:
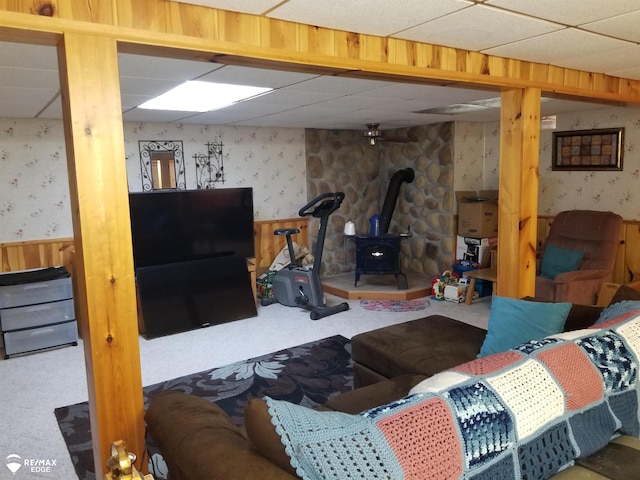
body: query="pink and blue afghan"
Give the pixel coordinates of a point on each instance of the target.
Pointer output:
(525, 413)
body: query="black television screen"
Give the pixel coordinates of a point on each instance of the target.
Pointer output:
(182, 225)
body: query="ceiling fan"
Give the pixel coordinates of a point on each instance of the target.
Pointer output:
(373, 135)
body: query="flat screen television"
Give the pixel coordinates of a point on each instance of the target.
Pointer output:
(183, 225)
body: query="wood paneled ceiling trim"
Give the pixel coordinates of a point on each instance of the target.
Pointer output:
(190, 31)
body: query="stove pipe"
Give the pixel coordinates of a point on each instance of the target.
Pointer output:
(405, 175)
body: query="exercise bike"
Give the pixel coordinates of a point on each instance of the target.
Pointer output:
(296, 286)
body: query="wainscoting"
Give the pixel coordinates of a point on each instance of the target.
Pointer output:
(269, 245)
(53, 252)
(36, 254)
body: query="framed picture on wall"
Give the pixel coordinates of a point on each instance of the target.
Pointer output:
(600, 149)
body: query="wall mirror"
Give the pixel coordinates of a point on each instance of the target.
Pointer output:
(161, 165)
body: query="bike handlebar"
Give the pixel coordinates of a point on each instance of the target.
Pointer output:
(320, 206)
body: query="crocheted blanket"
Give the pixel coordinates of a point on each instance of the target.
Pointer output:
(525, 413)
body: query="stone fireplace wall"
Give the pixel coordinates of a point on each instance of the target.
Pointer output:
(341, 160)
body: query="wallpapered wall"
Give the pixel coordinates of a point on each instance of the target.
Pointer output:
(34, 193)
(34, 190)
(477, 151)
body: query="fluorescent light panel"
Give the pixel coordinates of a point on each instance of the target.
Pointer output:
(195, 96)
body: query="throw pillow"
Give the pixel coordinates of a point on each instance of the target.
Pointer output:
(557, 260)
(512, 322)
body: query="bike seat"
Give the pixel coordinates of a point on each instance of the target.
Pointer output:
(286, 231)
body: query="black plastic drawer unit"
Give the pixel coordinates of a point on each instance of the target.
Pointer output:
(36, 310)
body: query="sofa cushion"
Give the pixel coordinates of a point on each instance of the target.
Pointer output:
(424, 346)
(371, 396)
(624, 292)
(513, 321)
(263, 435)
(582, 316)
(534, 408)
(182, 424)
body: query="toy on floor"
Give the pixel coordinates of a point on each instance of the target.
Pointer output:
(439, 283)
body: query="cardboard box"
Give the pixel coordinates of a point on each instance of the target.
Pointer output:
(477, 213)
(475, 251)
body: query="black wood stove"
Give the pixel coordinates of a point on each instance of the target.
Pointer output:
(380, 254)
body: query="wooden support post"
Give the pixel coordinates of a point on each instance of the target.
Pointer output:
(518, 202)
(104, 277)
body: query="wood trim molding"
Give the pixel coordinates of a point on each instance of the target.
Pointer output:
(201, 33)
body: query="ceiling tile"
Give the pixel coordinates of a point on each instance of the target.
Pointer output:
(336, 85)
(286, 96)
(145, 66)
(276, 121)
(159, 116)
(29, 78)
(15, 108)
(412, 91)
(557, 46)
(623, 26)
(633, 73)
(566, 12)
(255, 77)
(146, 86)
(255, 7)
(20, 94)
(377, 17)
(240, 112)
(478, 28)
(606, 62)
(28, 56)
(130, 101)
(53, 110)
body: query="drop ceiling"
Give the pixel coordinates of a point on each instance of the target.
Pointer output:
(580, 34)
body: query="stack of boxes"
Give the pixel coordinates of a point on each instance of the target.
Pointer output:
(477, 233)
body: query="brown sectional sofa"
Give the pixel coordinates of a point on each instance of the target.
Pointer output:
(430, 345)
(199, 442)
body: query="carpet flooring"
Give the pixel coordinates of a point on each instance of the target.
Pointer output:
(307, 374)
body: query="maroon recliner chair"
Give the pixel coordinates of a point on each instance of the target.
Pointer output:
(597, 235)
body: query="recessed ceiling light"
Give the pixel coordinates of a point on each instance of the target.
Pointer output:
(195, 96)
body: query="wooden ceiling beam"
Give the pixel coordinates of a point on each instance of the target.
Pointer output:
(193, 32)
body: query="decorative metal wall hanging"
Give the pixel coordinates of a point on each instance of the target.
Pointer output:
(210, 166)
(162, 165)
(588, 149)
